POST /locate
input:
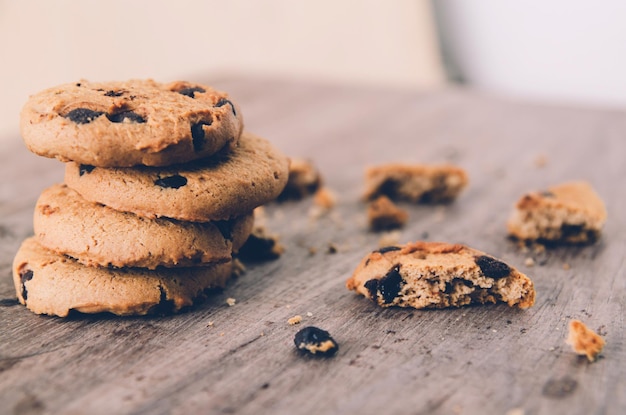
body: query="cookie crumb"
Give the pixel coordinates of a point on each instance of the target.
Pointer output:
(309, 314)
(529, 262)
(210, 324)
(584, 341)
(295, 320)
(304, 179)
(324, 198)
(389, 239)
(332, 248)
(231, 301)
(383, 214)
(315, 341)
(515, 411)
(567, 266)
(540, 161)
(238, 267)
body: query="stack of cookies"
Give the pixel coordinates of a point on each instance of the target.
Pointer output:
(160, 185)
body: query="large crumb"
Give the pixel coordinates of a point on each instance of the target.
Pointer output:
(304, 179)
(383, 214)
(324, 198)
(295, 320)
(584, 341)
(231, 301)
(261, 246)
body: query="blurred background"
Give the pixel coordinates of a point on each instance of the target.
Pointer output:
(562, 51)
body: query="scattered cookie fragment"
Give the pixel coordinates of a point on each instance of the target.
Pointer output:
(304, 180)
(231, 301)
(570, 213)
(383, 215)
(438, 275)
(315, 341)
(584, 341)
(295, 320)
(261, 246)
(324, 198)
(415, 182)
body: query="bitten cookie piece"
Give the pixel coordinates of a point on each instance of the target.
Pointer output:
(95, 235)
(123, 124)
(584, 341)
(415, 183)
(51, 283)
(567, 213)
(438, 275)
(226, 185)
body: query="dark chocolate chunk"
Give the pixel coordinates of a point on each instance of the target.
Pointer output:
(224, 227)
(114, 93)
(223, 102)
(568, 230)
(372, 287)
(492, 268)
(171, 182)
(197, 134)
(85, 168)
(451, 285)
(126, 116)
(191, 92)
(259, 247)
(25, 275)
(391, 284)
(78, 84)
(386, 249)
(83, 115)
(165, 306)
(315, 341)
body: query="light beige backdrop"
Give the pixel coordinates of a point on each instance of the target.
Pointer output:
(45, 43)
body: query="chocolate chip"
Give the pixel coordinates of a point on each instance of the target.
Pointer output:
(259, 248)
(171, 182)
(83, 115)
(569, 230)
(492, 268)
(372, 287)
(224, 227)
(451, 285)
(126, 116)
(197, 134)
(315, 341)
(164, 306)
(114, 93)
(391, 284)
(25, 275)
(223, 102)
(386, 249)
(85, 168)
(191, 92)
(78, 84)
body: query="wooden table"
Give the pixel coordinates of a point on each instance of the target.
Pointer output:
(241, 359)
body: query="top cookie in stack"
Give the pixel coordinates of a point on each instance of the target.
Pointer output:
(160, 185)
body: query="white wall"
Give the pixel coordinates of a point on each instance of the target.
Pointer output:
(45, 42)
(558, 50)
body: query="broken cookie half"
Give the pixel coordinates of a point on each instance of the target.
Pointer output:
(438, 275)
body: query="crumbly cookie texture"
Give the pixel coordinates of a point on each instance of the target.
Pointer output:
(567, 213)
(97, 235)
(220, 187)
(415, 182)
(584, 341)
(51, 283)
(123, 124)
(383, 214)
(304, 180)
(438, 275)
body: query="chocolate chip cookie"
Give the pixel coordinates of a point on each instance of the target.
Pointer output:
(227, 185)
(570, 213)
(51, 283)
(97, 235)
(123, 124)
(438, 275)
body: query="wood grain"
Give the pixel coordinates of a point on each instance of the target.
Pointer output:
(241, 359)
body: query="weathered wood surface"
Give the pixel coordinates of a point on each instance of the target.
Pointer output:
(241, 359)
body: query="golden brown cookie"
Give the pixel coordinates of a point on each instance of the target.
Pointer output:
(227, 185)
(123, 124)
(97, 235)
(438, 275)
(567, 213)
(51, 283)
